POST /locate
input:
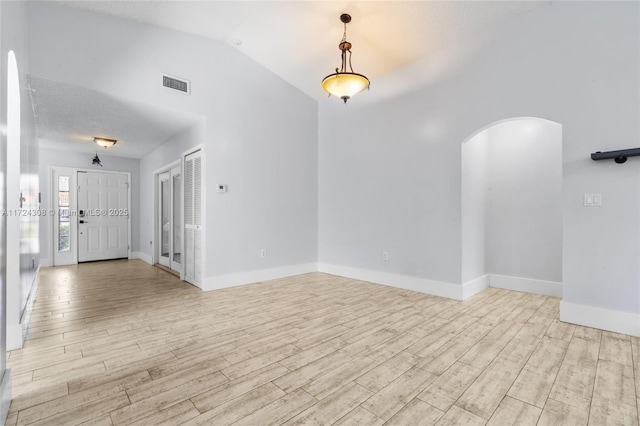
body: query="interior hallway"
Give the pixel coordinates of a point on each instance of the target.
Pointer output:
(122, 342)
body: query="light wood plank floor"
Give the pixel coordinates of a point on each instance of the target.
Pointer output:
(125, 343)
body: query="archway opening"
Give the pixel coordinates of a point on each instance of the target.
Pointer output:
(512, 206)
(12, 248)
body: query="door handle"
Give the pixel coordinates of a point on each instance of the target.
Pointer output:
(83, 221)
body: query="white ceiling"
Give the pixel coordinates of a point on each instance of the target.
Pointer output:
(68, 117)
(298, 40)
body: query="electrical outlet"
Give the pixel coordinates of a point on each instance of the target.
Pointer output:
(263, 253)
(385, 256)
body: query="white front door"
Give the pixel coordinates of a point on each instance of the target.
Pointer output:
(103, 216)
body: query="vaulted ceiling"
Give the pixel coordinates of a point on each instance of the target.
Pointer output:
(297, 40)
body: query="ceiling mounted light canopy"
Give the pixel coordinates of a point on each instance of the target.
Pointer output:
(345, 84)
(104, 142)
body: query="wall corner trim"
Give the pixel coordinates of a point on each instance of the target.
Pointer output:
(421, 285)
(605, 319)
(475, 286)
(142, 256)
(527, 285)
(249, 277)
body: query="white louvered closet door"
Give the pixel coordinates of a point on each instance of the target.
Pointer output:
(193, 217)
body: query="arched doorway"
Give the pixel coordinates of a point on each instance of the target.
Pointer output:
(512, 206)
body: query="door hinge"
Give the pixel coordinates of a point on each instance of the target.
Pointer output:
(127, 185)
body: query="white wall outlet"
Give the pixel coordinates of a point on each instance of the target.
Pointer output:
(385, 256)
(263, 253)
(592, 200)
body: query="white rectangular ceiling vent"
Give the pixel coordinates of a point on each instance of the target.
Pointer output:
(181, 85)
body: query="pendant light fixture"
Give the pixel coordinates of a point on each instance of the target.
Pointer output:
(96, 161)
(345, 84)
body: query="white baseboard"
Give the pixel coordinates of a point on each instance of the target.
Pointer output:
(475, 286)
(241, 278)
(527, 285)
(5, 395)
(45, 263)
(605, 319)
(142, 256)
(14, 336)
(422, 285)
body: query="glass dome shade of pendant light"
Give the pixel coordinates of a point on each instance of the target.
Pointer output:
(345, 84)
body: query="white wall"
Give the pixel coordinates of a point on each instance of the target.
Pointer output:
(52, 157)
(260, 136)
(389, 163)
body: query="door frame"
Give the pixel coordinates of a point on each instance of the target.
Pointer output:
(158, 231)
(203, 206)
(53, 205)
(54, 212)
(155, 249)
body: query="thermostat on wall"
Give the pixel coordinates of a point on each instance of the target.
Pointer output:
(221, 188)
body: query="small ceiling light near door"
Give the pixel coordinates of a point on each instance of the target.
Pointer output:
(104, 142)
(345, 84)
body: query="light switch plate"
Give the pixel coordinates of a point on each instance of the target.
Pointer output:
(592, 200)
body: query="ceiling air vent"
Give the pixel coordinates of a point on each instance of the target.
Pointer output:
(174, 83)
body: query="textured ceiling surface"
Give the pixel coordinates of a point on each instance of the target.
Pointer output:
(68, 117)
(298, 40)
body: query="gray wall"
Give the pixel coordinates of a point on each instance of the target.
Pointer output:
(52, 157)
(389, 164)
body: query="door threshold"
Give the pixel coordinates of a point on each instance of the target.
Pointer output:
(169, 270)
